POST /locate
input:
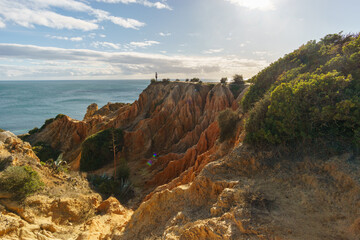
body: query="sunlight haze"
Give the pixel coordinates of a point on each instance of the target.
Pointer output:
(133, 39)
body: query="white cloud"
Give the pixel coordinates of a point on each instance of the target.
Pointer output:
(262, 53)
(102, 35)
(157, 5)
(211, 51)
(57, 63)
(76, 39)
(92, 35)
(73, 39)
(58, 37)
(106, 45)
(42, 12)
(2, 24)
(165, 34)
(263, 5)
(146, 3)
(144, 44)
(126, 23)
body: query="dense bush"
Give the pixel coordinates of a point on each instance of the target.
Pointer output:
(236, 88)
(97, 149)
(2, 130)
(121, 188)
(239, 79)
(45, 152)
(312, 93)
(34, 130)
(20, 181)
(122, 170)
(308, 58)
(195, 80)
(227, 121)
(223, 80)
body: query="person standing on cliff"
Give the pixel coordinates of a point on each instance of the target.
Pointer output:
(156, 76)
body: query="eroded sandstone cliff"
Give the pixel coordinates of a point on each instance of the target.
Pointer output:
(175, 121)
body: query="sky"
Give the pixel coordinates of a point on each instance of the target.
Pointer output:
(133, 39)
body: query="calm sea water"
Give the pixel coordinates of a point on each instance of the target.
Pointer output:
(27, 104)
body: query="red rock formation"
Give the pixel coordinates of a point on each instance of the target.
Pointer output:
(174, 120)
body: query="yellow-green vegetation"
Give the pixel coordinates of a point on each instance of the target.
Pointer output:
(20, 181)
(2, 130)
(97, 150)
(227, 121)
(311, 93)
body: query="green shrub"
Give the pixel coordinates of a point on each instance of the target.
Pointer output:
(236, 89)
(227, 121)
(223, 80)
(311, 94)
(153, 80)
(34, 130)
(238, 79)
(195, 80)
(122, 188)
(255, 129)
(20, 181)
(166, 80)
(2, 130)
(45, 152)
(308, 107)
(97, 149)
(122, 170)
(59, 116)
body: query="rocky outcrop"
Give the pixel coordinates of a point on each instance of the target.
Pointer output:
(15, 152)
(175, 121)
(66, 207)
(243, 196)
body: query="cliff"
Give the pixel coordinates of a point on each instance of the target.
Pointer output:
(175, 121)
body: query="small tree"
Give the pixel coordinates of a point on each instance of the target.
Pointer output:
(187, 80)
(153, 80)
(239, 79)
(223, 80)
(195, 80)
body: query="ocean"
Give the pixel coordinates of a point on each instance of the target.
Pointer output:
(27, 104)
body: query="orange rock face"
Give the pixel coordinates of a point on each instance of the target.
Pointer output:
(175, 121)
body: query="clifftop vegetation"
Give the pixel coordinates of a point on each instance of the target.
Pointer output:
(311, 93)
